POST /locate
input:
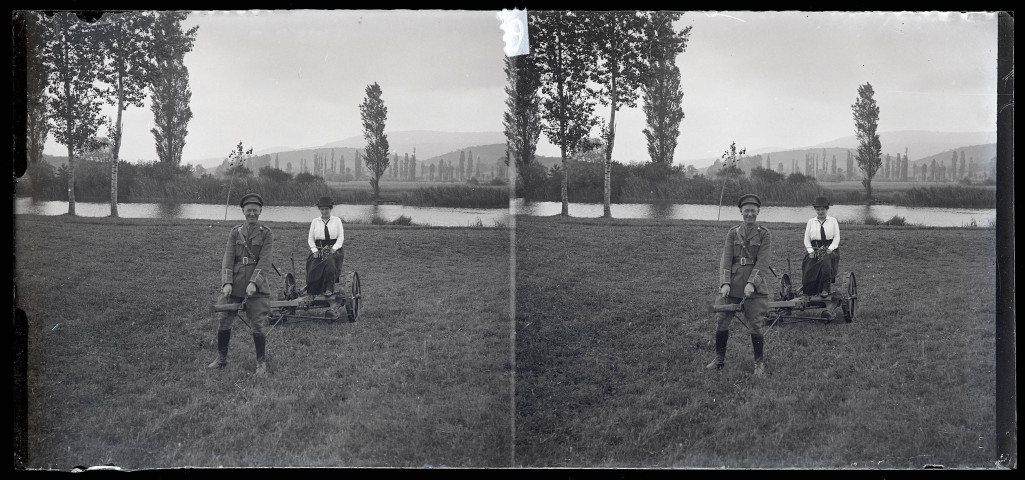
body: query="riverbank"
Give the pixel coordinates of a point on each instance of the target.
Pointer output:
(119, 333)
(652, 183)
(138, 183)
(612, 334)
(846, 214)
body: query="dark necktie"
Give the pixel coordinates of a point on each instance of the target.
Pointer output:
(822, 232)
(327, 234)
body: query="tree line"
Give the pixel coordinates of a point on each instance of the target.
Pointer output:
(184, 183)
(75, 63)
(579, 60)
(334, 167)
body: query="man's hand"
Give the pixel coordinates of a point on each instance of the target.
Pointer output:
(251, 288)
(749, 289)
(226, 289)
(724, 291)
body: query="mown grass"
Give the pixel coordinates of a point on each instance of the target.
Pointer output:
(120, 333)
(612, 334)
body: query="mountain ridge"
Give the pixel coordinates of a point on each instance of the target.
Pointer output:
(430, 145)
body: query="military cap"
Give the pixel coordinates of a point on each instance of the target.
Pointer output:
(325, 202)
(820, 202)
(251, 198)
(749, 198)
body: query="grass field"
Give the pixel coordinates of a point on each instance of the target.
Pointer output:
(120, 333)
(612, 334)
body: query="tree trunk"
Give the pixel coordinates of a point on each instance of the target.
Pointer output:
(608, 189)
(71, 183)
(113, 187)
(565, 184)
(610, 141)
(70, 139)
(115, 149)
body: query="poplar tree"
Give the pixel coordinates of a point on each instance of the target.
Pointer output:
(564, 62)
(522, 118)
(374, 115)
(36, 79)
(661, 90)
(866, 122)
(73, 59)
(617, 39)
(169, 84)
(124, 39)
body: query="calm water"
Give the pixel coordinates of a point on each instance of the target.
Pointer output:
(461, 217)
(435, 216)
(935, 217)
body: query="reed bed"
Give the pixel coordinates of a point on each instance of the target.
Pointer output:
(953, 196)
(458, 196)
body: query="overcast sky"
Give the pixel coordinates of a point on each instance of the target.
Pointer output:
(762, 79)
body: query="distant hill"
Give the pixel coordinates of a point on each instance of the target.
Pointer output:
(983, 154)
(919, 145)
(985, 157)
(426, 143)
(787, 158)
(486, 153)
(493, 152)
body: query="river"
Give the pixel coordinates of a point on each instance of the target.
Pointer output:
(490, 217)
(434, 216)
(925, 216)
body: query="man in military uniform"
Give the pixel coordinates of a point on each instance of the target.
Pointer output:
(244, 279)
(742, 270)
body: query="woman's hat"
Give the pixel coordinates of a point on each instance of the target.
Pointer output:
(325, 202)
(820, 202)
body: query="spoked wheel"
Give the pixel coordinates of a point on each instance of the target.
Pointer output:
(786, 288)
(850, 306)
(352, 290)
(288, 288)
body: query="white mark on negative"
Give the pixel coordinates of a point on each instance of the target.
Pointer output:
(514, 28)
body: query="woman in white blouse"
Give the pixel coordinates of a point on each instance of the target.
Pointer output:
(821, 240)
(324, 263)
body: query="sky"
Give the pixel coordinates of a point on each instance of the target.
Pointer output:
(766, 80)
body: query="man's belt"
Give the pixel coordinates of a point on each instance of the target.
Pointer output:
(247, 260)
(743, 261)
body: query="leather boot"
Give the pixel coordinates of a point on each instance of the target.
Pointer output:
(758, 345)
(720, 350)
(260, 341)
(223, 338)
